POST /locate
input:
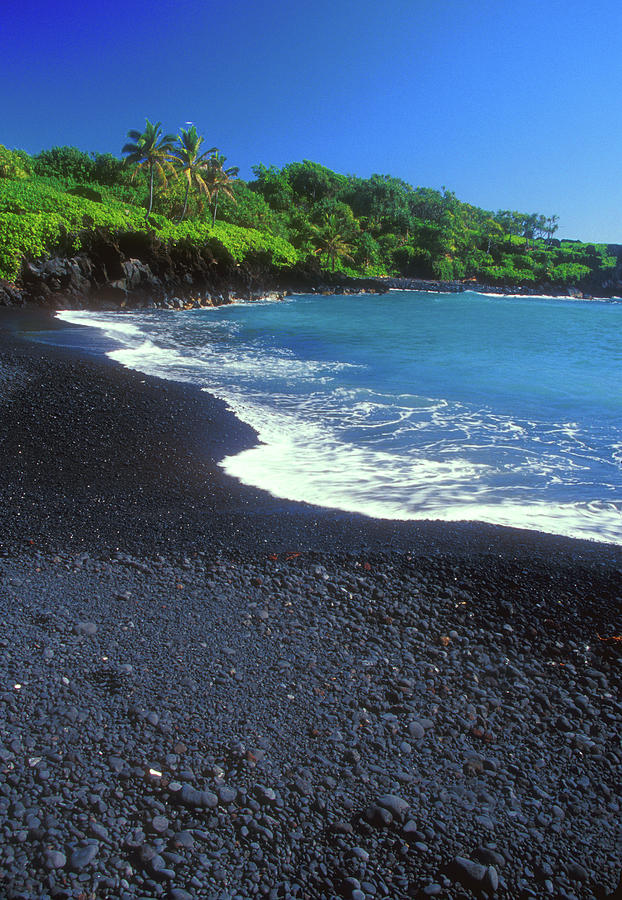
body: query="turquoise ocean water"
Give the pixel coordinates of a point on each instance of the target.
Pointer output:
(410, 405)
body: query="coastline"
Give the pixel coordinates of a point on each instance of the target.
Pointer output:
(195, 432)
(220, 671)
(113, 272)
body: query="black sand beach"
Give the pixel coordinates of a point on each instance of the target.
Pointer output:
(336, 706)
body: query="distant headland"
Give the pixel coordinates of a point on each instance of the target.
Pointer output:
(170, 224)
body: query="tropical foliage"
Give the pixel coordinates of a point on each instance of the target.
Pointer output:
(193, 165)
(331, 241)
(302, 212)
(220, 180)
(153, 151)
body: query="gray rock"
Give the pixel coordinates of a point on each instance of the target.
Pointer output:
(416, 730)
(183, 839)
(577, 872)
(99, 831)
(159, 824)
(227, 794)
(396, 805)
(189, 796)
(467, 872)
(54, 859)
(378, 816)
(83, 855)
(491, 880)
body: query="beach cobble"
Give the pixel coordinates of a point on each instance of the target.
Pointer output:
(305, 726)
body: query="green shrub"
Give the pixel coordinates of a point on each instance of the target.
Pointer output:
(26, 235)
(64, 162)
(568, 273)
(108, 170)
(35, 214)
(14, 163)
(444, 268)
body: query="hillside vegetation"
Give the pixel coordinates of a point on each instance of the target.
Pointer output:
(299, 213)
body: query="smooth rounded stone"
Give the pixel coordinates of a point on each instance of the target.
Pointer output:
(416, 730)
(360, 853)
(17, 810)
(156, 863)
(86, 628)
(146, 852)
(342, 827)
(411, 830)
(227, 794)
(81, 856)
(489, 857)
(378, 816)
(577, 872)
(189, 796)
(179, 894)
(358, 894)
(265, 795)
(432, 890)
(467, 872)
(159, 824)
(183, 839)
(54, 859)
(397, 806)
(491, 880)
(99, 831)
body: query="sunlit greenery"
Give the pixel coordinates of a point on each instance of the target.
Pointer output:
(302, 212)
(152, 151)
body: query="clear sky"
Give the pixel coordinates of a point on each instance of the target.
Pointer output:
(508, 103)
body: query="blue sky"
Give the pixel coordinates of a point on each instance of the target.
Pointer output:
(508, 103)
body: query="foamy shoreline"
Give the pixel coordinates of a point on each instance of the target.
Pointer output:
(286, 471)
(201, 665)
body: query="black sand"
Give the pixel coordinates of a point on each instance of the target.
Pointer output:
(98, 456)
(455, 665)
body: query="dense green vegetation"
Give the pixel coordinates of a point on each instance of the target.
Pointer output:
(362, 226)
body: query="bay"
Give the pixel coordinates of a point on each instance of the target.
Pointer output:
(408, 405)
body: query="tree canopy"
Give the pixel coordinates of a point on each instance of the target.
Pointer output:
(152, 150)
(379, 225)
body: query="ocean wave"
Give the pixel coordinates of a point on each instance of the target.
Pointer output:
(329, 437)
(315, 469)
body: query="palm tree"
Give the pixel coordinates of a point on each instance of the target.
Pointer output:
(194, 165)
(151, 150)
(329, 239)
(220, 180)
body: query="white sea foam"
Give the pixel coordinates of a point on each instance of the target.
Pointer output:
(303, 464)
(502, 295)
(114, 327)
(309, 450)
